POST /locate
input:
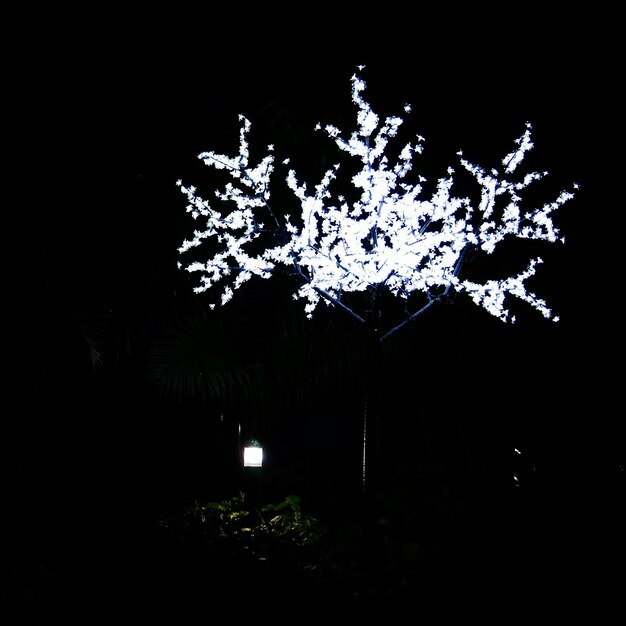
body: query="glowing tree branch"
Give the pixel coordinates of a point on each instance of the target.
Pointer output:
(388, 237)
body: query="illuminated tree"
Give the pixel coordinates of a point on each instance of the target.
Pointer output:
(377, 234)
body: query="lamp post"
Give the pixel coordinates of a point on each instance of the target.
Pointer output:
(252, 466)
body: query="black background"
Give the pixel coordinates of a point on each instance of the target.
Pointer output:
(104, 117)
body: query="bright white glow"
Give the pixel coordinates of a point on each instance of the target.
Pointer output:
(252, 456)
(388, 237)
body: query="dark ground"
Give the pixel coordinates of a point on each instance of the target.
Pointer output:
(481, 549)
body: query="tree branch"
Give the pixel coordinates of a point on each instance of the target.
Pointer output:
(411, 318)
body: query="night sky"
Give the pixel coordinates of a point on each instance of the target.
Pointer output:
(100, 128)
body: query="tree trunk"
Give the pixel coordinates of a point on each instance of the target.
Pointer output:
(370, 440)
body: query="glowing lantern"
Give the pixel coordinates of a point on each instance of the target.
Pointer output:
(253, 455)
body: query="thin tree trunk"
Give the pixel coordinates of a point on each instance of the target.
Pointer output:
(370, 434)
